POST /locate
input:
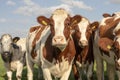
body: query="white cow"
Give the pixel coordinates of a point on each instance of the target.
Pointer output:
(13, 55)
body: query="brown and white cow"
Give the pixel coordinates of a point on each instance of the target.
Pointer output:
(51, 46)
(13, 54)
(107, 46)
(83, 39)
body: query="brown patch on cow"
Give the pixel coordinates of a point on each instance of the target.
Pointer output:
(69, 51)
(37, 37)
(32, 29)
(84, 54)
(105, 44)
(117, 32)
(48, 49)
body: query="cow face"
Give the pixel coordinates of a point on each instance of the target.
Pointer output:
(61, 28)
(84, 30)
(60, 23)
(6, 47)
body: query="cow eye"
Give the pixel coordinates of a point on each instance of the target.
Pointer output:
(0, 43)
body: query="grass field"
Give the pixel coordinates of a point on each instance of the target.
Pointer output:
(3, 75)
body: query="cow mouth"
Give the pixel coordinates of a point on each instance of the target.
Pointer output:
(82, 45)
(6, 56)
(60, 46)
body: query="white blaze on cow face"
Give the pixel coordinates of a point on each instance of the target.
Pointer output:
(83, 28)
(59, 17)
(102, 23)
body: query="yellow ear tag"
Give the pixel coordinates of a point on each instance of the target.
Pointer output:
(75, 21)
(15, 41)
(108, 46)
(93, 27)
(44, 22)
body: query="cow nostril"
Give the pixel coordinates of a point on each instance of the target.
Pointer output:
(83, 43)
(54, 39)
(62, 39)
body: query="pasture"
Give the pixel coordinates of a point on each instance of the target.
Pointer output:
(3, 75)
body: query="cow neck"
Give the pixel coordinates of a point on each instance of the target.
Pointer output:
(68, 53)
(51, 53)
(37, 37)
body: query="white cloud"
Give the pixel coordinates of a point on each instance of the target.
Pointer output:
(79, 4)
(11, 3)
(30, 8)
(2, 20)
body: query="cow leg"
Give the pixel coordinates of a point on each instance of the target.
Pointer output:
(110, 71)
(66, 74)
(99, 63)
(9, 75)
(99, 69)
(30, 66)
(46, 74)
(118, 74)
(76, 72)
(40, 73)
(90, 71)
(19, 71)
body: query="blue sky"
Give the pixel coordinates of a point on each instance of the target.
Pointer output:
(17, 16)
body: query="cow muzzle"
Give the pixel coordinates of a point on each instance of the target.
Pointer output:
(83, 43)
(59, 41)
(6, 56)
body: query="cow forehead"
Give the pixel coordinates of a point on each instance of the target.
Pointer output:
(6, 38)
(102, 23)
(83, 24)
(59, 15)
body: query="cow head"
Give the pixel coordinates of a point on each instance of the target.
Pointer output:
(7, 45)
(60, 24)
(84, 30)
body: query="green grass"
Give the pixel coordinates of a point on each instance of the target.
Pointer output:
(3, 75)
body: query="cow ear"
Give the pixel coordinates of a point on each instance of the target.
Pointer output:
(75, 20)
(94, 25)
(106, 15)
(43, 20)
(15, 39)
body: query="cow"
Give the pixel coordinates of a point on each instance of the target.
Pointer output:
(51, 46)
(13, 55)
(83, 38)
(107, 46)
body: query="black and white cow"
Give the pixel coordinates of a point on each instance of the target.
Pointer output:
(13, 54)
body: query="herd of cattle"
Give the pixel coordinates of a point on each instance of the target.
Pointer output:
(63, 43)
